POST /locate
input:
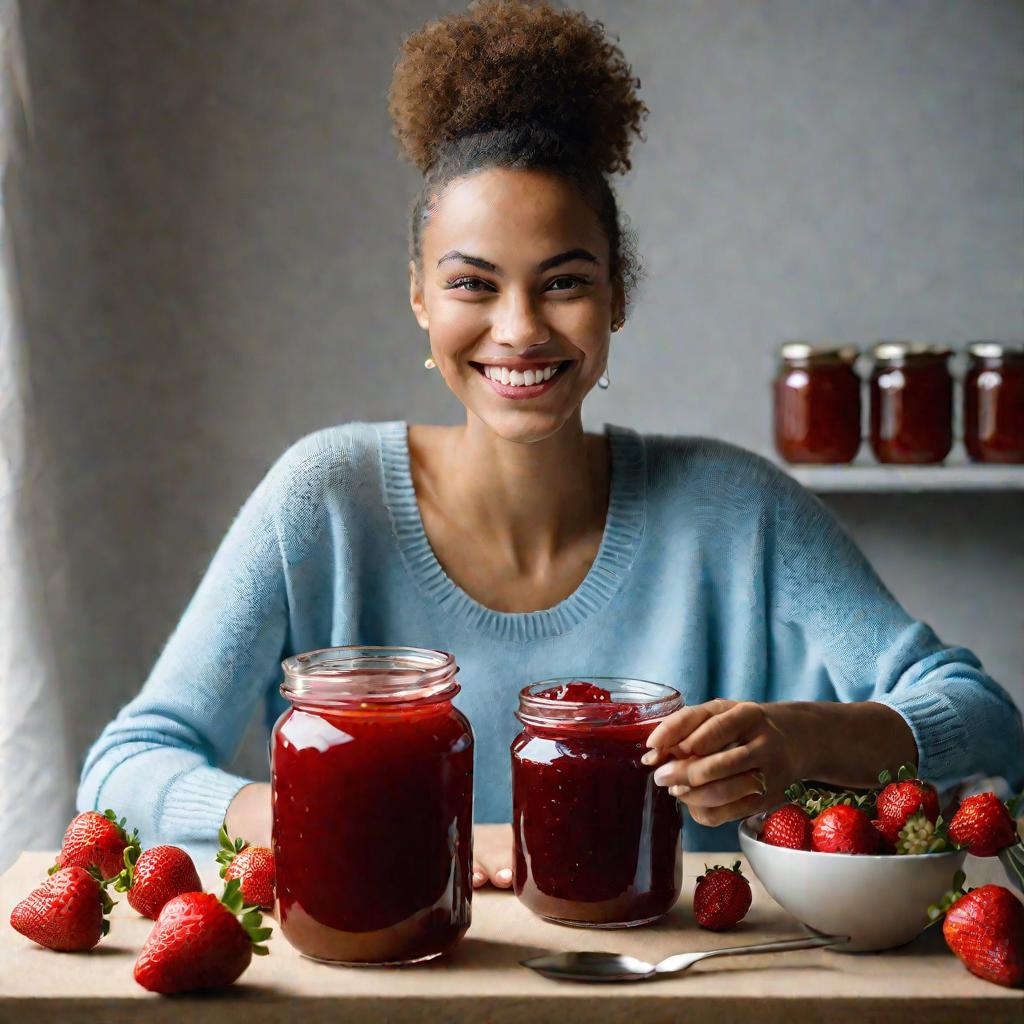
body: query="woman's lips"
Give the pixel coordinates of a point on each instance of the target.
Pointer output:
(522, 391)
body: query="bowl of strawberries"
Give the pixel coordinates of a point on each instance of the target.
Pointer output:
(863, 864)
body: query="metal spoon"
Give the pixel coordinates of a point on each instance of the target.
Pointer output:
(617, 967)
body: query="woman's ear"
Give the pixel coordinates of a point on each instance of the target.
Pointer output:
(419, 308)
(618, 301)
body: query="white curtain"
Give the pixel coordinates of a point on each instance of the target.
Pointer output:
(36, 780)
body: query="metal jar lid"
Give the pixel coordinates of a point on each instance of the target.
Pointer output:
(896, 351)
(804, 351)
(994, 350)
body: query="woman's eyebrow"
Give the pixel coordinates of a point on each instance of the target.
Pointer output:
(551, 261)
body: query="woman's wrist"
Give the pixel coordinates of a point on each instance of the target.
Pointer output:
(844, 744)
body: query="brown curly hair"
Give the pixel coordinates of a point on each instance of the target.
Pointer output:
(516, 83)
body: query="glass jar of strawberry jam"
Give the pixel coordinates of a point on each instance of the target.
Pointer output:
(911, 403)
(372, 786)
(595, 842)
(994, 402)
(817, 404)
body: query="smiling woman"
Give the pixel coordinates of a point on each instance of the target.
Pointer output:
(527, 546)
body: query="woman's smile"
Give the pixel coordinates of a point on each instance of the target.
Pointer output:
(520, 378)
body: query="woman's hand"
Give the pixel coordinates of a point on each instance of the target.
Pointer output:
(725, 759)
(492, 855)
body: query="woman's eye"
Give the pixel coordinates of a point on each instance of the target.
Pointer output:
(567, 282)
(463, 283)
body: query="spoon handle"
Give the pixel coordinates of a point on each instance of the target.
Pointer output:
(681, 961)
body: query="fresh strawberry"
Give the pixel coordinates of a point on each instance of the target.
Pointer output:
(253, 866)
(789, 826)
(844, 829)
(67, 912)
(94, 839)
(156, 876)
(900, 799)
(199, 943)
(985, 929)
(983, 824)
(721, 898)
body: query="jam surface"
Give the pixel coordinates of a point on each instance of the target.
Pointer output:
(372, 835)
(994, 410)
(817, 412)
(596, 842)
(912, 411)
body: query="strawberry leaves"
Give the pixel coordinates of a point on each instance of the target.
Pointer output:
(252, 918)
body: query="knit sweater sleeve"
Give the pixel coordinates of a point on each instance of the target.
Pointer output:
(846, 621)
(157, 762)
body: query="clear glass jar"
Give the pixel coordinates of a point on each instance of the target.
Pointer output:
(911, 403)
(595, 842)
(994, 402)
(372, 784)
(817, 404)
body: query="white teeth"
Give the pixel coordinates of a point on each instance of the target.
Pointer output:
(517, 378)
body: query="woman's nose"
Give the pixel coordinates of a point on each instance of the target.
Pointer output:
(519, 325)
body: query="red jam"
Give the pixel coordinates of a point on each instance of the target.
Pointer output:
(817, 405)
(596, 842)
(911, 403)
(372, 783)
(994, 403)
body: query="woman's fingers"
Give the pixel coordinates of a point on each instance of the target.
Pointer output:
(699, 771)
(731, 726)
(723, 792)
(680, 724)
(712, 816)
(492, 855)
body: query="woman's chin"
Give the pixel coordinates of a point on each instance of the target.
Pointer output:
(522, 426)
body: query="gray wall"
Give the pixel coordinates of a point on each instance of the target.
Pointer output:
(210, 224)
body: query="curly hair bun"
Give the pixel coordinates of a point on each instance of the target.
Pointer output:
(512, 61)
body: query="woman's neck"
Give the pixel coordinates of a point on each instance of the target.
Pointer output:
(524, 502)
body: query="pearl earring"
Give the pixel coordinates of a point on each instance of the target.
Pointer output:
(429, 363)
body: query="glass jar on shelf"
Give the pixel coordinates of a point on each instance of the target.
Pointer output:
(817, 404)
(596, 843)
(993, 402)
(911, 403)
(372, 793)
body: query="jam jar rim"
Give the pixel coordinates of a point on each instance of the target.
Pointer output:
(995, 350)
(432, 681)
(545, 712)
(806, 352)
(897, 351)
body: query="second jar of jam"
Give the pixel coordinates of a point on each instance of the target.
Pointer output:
(372, 788)
(595, 842)
(911, 403)
(817, 404)
(994, 402)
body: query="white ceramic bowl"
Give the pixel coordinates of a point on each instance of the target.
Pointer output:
(879, 901)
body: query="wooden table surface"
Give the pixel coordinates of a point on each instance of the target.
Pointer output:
(483, 981)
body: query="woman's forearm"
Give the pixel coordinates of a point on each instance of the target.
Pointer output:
(249, 814)
(845, 744)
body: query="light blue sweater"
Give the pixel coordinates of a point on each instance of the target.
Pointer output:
(717, 574)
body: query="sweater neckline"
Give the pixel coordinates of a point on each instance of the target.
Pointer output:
(623, 530)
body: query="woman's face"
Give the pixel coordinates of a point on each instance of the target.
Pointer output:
(517, 299)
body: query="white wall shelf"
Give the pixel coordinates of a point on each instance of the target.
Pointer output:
(956, 474)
